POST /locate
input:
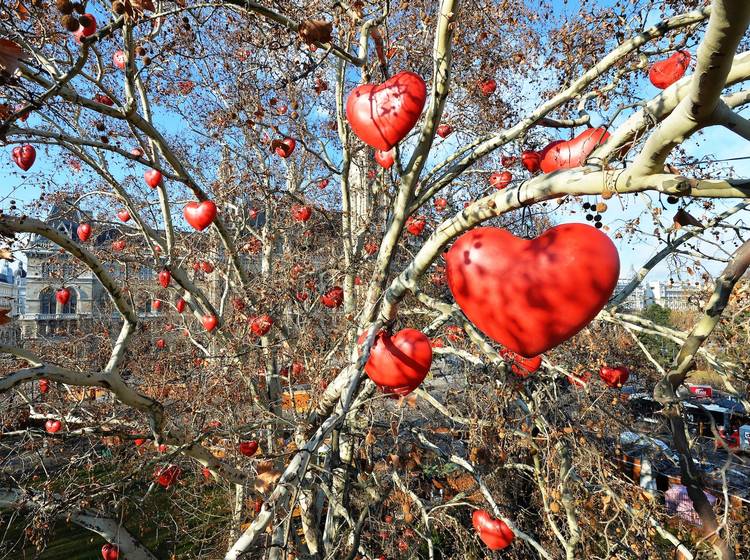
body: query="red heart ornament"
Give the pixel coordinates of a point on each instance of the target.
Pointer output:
(62, 296)
(285, 147)
(398, 364)
(200, 215)
(385, 159)
(495, 533)
(110, 552)
(261, 325)
(614, 376)
(84, 232)
(43, 385)
(52, 426)
(24, 156)
(441, 204)
(666, 72)
(501, 180)
(520, 366)
(165, 277)
(531, 295)
(119, 59)
(333, 298)
(168, 475)
(118, 245)
(531, 160)
(382, 115)
(415, 225)
(571, 153)
(301, 213)
(444, 130)
(153, 178)
(248, 448)
(180, 305)
(209, 322)
(124, 215)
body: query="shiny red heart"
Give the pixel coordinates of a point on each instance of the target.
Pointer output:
(24, 156)
(124, 215)
(399, 363)
(168, 475)
(441, 204)
(382, 115)
(165, 277)
(153, 177)
(531, 295)
(284, 148)
(444, 130)
(614, 376)
(119, 59)
(199, 215)
(52, 426)
(531, 160)
(385, 159)
(488, 86)
(495, 533)
(301, 213)
(520, 366)
(209, 322)
(62, 296)
(571, 153)
(43, 385)
(248, 448)
(84, 232)
(118, 245)
(415, 225)
(501, 180)
(260, 325)
(666, 72)
(333, 298)
(110, 552)
(180, 305)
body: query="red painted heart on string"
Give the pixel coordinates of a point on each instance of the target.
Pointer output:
(385, 159)
(399, 363)
(119, 59)
(165, 277)
(571, 153)
(84, 232)
(531, 295)
(260, 325)
(52, 426)
(24, 156)
(110, 552)
(248, 448)
(531, 160)
(614, 376)
(209, 322)
(200, 215)
(501, 180)
(382, 115)
(495, 533)
(153, 177)
(666, 72)
(333, 298)
(180, 305)
(124, 215)
(62, 296)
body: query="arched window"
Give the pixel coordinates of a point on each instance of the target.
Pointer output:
(47, 301)
(70, 307)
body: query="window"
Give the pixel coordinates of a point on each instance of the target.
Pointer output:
(70, 307)
(47, 301)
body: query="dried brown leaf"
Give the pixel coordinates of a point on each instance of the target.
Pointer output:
(10, 54)
(315, 31)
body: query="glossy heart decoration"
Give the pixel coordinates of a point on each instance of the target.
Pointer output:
(156, 304)
(441, 204)
(153, 178)
(261, 325)
(248, 448)
(52, 426)
(531, 295)
(571, 153)
(501, 180)
(415, 225)
(180, 305)
(209, 322)
(666, 72)
(614, 376)
(110, 552)
(495, 533)
(168, 475)
(488, 87)
(531, 160)
(520, 366)
(124, 215)
(285, 147)
(62, 296)
(444, 130)
(301, 213)
(382, 115)
(207, 267)
(200, 215)
(84, 232)
(333, 298)
(24, 156)
(385, 159)
(399, 363)
(43, 385)
(165, 277)
(119, 59)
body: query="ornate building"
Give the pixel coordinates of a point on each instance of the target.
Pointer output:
(11, 297)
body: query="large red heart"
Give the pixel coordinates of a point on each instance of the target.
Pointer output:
(24, 156)
(531, 295)
(399, 363)
(571, 153)
(200, 215)
(666, 72)
(110, 552)
(62, 296)
(382, 115)
(495, 533)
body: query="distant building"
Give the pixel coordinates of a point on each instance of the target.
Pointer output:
(673, 295)
(639, 299)
(11, 282)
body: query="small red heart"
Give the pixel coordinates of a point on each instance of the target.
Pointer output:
(382, 115)
(168, 475)
(488, 87)
(110, 552)
(440, 204)
(124, 215)
(200, 215)
(285, 147)
(415, 225)
(495, 533)
(531, 295)
(119, 59)
(84, 232)
(398, 364)
(501, 180)
(385, 159)
(153, 178)
(261, 325)
(248, 448)
(180, 305)
(24, 156)
(43, 385)
(531, 160)
(301, 213)
(572, 153)
(62, 296)
(333, 298)
(52, 426)
(209, 322)
(520, 366)
(444, 130)
(666, 72)
(614, 376)
(165, 277)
